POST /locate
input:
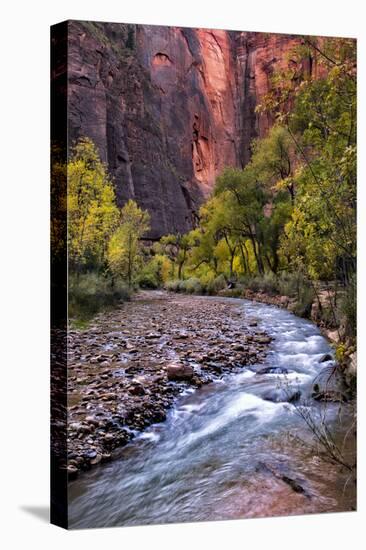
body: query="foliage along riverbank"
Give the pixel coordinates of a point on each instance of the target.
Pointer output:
(284, 224)
(281, 229)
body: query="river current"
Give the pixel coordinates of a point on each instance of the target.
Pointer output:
(226, 450)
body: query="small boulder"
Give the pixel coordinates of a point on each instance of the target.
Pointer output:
(263, 339)
(325, 358)
(136, 389)
(72, 471)
(331, 396)
(96, 459)
(177, 371)
(282, 395)
(272, 370)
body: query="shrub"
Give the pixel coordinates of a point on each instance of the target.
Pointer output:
(148, 280)
(154, 273)
(192, 286)
(288, 284)
(173, 286)
(348, 308)
(266, 283)
(91, 292)
(213, 286)
(236, 292)
(304, 302)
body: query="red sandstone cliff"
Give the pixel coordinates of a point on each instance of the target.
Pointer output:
(170, 107)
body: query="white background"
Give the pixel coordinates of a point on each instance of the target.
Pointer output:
(24, 365)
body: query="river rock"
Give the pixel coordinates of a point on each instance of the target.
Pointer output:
(272, 370)
(176, 371)
(96, 460)
(325, 358)
(136, 389)
(263, 339)
(72, 471)
(181, 338)
(332, 396)
(282, 395)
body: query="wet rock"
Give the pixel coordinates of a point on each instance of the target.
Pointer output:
(238, 347)
(282, 395)
(72, 471)
(90, 453)
(326, 357)
(96, 460)
(176, 371)
(332, 396)
(182, 335)
(92, 420)
(137, 389)
(295, 485)
(273, 370)
(263, 339)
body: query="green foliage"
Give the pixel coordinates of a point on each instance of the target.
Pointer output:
(174, 285)
(304, 301)
(283, 222)
(214, 286)
(124, 248)
(154, 273)
(92, 213)
(348, 308)
(267, 283)
(90, 293)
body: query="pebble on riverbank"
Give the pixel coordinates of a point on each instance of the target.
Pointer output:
(127, 368)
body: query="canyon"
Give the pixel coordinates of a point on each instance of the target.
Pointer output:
(170, 107)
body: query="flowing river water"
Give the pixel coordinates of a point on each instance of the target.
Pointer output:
(225, 450)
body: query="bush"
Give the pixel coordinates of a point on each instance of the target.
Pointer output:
(192, 286)
(148, 280)
(348, 308)
(214, 286)
(236, 292)
(154, 273)
(267, 283)
(288, 284)
(91, 292)
(304, 302)
(174, 286)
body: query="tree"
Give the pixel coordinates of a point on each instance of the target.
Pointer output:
(245, 197)
(274, 160)
(320, 117)
(92, 212)
(176, 247)
(124, 249)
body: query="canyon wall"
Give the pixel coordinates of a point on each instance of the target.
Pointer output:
(169, 107)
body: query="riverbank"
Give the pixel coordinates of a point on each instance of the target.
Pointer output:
(333, 334)
(126, 369)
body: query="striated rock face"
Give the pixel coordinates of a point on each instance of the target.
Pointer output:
(170, 107)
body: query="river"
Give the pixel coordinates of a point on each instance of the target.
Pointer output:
(225, 451)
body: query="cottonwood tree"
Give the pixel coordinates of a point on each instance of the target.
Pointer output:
(125, 248)
(92, 212)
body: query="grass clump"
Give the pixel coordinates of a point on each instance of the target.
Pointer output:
(90, 293)
(348, 309)
(215, 285)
